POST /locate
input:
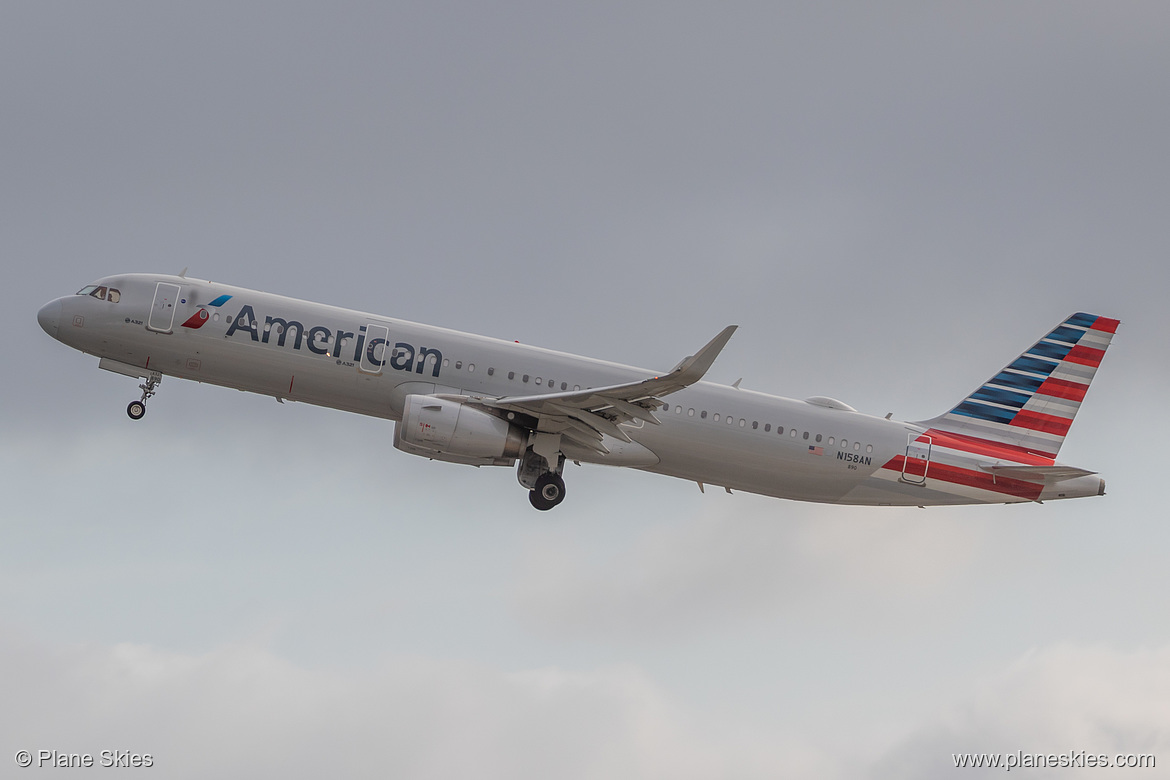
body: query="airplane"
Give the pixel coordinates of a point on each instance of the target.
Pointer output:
(480, 401)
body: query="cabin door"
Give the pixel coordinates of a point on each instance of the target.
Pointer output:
(917, 460)
(162, 311)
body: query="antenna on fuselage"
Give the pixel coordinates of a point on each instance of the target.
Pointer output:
(183, 273)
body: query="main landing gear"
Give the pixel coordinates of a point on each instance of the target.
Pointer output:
(137, 409)
(545, 486)
(549, 491)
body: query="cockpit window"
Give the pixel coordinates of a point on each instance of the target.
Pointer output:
(101, 293)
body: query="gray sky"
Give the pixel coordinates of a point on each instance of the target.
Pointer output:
(891, 201)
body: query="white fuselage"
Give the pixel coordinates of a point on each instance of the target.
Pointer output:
(709, 433)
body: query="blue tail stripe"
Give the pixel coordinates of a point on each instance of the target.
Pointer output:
(1048, 349)
(1082, 319)
(1005, 397)
(1025, 363)
(1016, 381)
(1070, 335)
(981, 412)
(220, 301)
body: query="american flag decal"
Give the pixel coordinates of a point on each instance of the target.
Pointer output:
(815, 450)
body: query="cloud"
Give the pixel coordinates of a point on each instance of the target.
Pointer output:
(241, 711)
(746, 557)
(1054, 700)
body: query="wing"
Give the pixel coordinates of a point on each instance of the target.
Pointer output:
(587, 416)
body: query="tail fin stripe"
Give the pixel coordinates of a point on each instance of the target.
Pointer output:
(1017, 381)
(1084, 320)
(1106, 324)
(1059, 388)
(984, 412)
(1086, 356)
(1005, 397)
(1049, 349)
(1045, 423)
(1033, 365)
(1067, 335)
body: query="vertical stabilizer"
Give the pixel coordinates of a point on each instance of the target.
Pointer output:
(1030, 404)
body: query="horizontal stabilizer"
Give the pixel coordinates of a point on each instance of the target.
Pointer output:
(1046, 474)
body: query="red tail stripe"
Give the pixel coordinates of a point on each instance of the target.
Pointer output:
(1086, 356)
(1045, 423)
(1106, 325)
(1061, 388)
(992, 449)
(982, 480)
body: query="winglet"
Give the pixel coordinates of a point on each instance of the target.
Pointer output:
(692, 369)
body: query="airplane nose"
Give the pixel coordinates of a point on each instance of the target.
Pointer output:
(49, 316)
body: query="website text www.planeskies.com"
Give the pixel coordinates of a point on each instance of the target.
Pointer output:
(1072, 759)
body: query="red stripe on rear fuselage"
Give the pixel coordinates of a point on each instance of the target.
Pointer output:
(981, 480)
(993, 449)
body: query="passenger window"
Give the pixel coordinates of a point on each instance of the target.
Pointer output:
(524, 379)
(690, 413)
(715, 417)
(844, 444)
(564, 385)
(666, 407)
(113, 296)
(805, 437)
(780, 429)
(755, 424)
(730, 419)
(99, 293)
(576, 388)
(703, 414)
(538, 380)
(832, 441)
(818, 438)
(742, 422)
(869, 448)
(491, 371)
(678, 410)
(767, 427)
(446, 362)
(470, 367)
(511, 375)
(458, 364)
(792, 433)
(856, 445)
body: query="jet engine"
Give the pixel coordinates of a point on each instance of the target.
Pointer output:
(442, 429)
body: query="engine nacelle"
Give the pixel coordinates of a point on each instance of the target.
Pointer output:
(442, 429)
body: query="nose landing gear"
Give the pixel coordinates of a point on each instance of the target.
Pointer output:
(137, 409)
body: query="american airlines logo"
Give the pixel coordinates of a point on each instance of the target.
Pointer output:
(321, 340)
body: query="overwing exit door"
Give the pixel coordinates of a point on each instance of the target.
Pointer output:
(376, 351)
(162, 311)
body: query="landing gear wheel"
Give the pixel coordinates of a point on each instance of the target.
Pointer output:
(549, 491)
(136, 410)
